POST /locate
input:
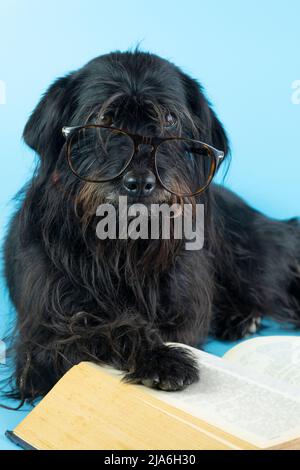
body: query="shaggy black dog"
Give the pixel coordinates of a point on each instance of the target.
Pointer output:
(119, 301)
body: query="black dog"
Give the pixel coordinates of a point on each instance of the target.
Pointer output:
(118, 302)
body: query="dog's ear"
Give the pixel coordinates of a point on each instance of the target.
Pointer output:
(43, 130)
(209, 127)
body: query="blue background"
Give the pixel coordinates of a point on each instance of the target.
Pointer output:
(246, 54)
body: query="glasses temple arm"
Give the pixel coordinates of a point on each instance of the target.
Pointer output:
(219, 154)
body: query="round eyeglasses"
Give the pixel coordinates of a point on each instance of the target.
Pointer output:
(97, 154)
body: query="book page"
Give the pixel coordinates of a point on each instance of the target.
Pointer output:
(273, 357)
(228, 398)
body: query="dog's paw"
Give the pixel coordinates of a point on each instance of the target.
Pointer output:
(167, 368)
(233, 329)
(253, 327)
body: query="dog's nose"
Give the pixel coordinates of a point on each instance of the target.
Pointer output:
(139, 184)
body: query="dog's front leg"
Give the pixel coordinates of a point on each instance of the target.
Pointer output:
(136, 346)
(129, 342)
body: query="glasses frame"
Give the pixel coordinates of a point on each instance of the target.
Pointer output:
(217, 155)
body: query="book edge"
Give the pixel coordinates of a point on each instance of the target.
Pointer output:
(15, 439)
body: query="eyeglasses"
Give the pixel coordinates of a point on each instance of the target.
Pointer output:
(97, 154)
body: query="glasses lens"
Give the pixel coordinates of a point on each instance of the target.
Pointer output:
(99, 154)
(184, 166)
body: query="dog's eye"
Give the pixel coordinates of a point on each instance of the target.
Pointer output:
(170, 121)
(106, 119)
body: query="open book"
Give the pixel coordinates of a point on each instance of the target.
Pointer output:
(248, 399)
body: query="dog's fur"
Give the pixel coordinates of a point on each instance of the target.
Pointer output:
(118, 302)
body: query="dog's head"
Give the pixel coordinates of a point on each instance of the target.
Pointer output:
(140, 93)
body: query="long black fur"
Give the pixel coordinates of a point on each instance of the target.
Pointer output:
(114, 301)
